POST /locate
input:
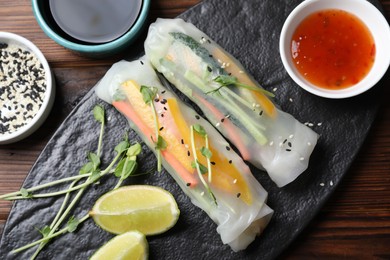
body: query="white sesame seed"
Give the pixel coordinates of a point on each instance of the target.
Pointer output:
(291, 136)
(257, 105)
(308, 144)
(331, 183)
(310, 124)
(186, 146)
(217, 124)
(291, 100)
(302, 159)
(271, 143)
(159, 111)
(235, 181)
(319, 124)
(275, 89)
(322, 184)
(219, 61)
(280, 144)
(227, 64)
(109, 118)
(241, 72)
(202, 193)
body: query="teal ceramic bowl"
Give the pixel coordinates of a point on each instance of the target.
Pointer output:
(43, 16)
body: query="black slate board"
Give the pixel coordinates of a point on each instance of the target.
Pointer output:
(250, 31)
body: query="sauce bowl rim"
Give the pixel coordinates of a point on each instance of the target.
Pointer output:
(368, 14)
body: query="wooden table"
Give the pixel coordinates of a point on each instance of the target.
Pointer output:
(355, 222)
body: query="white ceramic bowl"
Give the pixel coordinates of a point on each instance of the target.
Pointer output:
(368, 14)
(48, 99)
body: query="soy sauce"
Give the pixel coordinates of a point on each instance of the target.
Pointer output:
(95, 21)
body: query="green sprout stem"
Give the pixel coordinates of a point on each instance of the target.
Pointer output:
(197, 166)
(46, 239)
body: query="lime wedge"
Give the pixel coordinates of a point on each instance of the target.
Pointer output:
(131, 245)
(148, 209)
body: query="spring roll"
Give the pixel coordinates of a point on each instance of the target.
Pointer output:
(193, 152)
(231, 99)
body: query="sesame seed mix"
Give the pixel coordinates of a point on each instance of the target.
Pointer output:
(22, 87)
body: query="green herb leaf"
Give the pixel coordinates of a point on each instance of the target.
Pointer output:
(45, 231)
(200, 130)
(87, 168)
(161, 143)
(94, 159)
(25, 194)
(134, 150)
(72, 224)
(98, 113)
(206, 152)
(121, 147)
(203, 169)
(226, 80)
(95, 176)
(148, 93)
(123, 173)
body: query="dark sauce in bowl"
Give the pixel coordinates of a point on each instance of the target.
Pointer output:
(93, 21)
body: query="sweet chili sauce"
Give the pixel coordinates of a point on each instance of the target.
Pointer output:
(333, 49)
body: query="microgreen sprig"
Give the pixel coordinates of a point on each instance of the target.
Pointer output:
(228, 80)
(201, 169)
(148, 95)
(90, 173)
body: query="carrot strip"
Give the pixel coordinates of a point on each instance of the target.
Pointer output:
(127, 110)
(264, 102)
(187, 177)
(231, 131)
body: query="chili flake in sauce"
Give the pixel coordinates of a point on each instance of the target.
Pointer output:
(333, 49)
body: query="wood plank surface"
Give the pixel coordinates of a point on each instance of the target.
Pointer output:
(353, 224)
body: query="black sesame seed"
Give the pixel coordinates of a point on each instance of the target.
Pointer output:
(156, 100)
(161, 128)
(142, 63)
(162, 115)
(288, 150)
(285, 140)
(182, 141)
(289, 144)
(213, 163)
(230, 161)
(238, 195)
(197, 117)
(261, 113)
(222, 120)
(209, 69)
(188, 153)
(188, 184)
(210, 56)
(228, 148)
(162, 92)
(165, 108)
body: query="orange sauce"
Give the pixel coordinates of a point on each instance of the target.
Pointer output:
(333, 49)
